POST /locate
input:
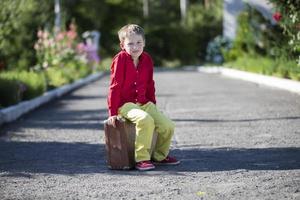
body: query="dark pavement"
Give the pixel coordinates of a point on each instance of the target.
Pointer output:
(236, 140)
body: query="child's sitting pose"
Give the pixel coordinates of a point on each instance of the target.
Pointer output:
(132, 96)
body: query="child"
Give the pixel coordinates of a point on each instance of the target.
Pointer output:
(132, 96)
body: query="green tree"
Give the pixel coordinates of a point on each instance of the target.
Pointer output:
(19, 22)
(167, 38)
(287, 14)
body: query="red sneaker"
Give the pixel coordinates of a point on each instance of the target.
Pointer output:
(168, 161)
(144, 165)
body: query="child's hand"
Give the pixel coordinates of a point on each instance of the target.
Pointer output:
(112, 120)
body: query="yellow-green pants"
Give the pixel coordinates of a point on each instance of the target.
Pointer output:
(147, 118)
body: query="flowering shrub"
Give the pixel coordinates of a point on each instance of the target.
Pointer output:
(56, 49)
(62, 57)
(288, 16)
(277, 16)
(90, 51)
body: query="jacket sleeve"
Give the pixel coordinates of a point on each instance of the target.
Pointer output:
(116, 81)
(151, 85)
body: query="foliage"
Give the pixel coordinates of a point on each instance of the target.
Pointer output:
(19, 20)
(16, 86)
(265, 65)
(255, 64)
(62, 56)
(167, 34)
(10, 92)
(56, 49)
(261, 47)
(105, 64)
(288, 16)
(171, 43)
(167, 38)
(255, 35)
(216, 49)
(35, 84)
(205, 24)
(55, 77)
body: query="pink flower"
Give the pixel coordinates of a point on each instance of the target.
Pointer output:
(40, 33)
(36, 46)
(45, 35)
(277, 16)
(71, 34)
(60, 36)
(80, 47)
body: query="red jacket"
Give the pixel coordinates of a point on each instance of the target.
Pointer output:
(129, 83)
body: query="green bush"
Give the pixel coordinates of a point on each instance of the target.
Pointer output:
(32, 84)
(261, 47)
(10, 92)
(217, 48)
(19, 21)
(71, 71)
(171, 43)
(257, 64)
(295, 73)
(55, 77)
(287, 69)
(287, 16)
(174, 63)
(203, 24)
(105, 64)
(74, 70)
(35, 84)
(264, 65)
(82, 69)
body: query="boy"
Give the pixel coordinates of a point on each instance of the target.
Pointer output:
(132, 96)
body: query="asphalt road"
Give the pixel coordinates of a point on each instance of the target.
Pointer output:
(236, 140)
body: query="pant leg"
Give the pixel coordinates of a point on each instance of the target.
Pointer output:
(165, 129)
(144, 124)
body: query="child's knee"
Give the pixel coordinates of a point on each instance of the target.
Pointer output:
(146, 120)
(170, 126)
(167, 127)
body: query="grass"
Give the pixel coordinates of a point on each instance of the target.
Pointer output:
(267, 66)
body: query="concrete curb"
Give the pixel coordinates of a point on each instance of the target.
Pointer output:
(285, 84)
(14, 112)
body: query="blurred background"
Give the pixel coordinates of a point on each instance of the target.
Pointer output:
(46, 41)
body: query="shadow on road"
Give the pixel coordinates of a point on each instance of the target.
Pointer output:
(51, 157)
(54, 116)
(225, 159)
(21, 158)
(237, 120)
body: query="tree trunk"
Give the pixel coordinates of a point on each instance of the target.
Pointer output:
(146, 8)
(183, 8)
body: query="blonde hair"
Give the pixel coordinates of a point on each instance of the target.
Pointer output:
(129, 29)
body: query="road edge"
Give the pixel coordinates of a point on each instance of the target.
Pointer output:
(12, 113)
(275, 82)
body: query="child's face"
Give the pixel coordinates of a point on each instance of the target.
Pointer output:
(134, 45)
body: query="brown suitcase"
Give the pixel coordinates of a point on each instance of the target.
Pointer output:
(120, 144)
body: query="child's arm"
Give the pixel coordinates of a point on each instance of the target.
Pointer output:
(151, 86)
(116, 81)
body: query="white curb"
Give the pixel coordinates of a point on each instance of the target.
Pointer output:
(14, 112)
(285, 84)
